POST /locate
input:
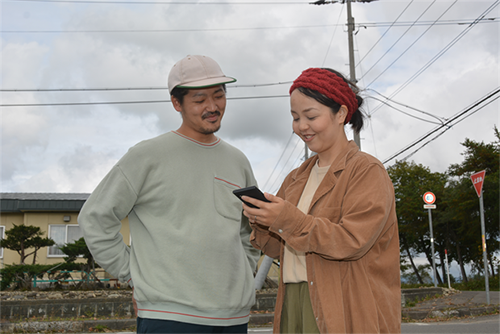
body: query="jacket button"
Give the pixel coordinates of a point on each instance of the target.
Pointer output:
(280, 231)
(311, 283)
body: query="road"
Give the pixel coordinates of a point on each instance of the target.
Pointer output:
(478, 325)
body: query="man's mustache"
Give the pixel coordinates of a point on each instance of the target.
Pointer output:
(210, 114)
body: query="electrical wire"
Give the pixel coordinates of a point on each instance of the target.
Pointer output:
(277, 163)
(284, 165)
(161, 30)
(440, 53)
(447, 128)
(401, 111)
(333, 35)
(392, 24)
(16, 90)
(358, 25)
(447, 123)
(400, 37)
(125, 102)
(412, 44)
(440, 119)
(164, 2)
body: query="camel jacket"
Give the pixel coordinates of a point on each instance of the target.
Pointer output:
(350, 237)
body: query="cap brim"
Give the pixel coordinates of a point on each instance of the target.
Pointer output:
(207, 82)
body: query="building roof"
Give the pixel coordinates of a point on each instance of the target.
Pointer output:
(42, 202)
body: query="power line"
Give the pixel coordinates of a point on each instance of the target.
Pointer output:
(392, 24)
(277, 163)
(440, 119)
(22, 90)
(160, 30)
(284, 165)
(449, 127)
(447, 123)
(412, 44)
(403, 112)
(440, 53)
(425, 23)
(333, 35)
(397, 41)
(164, 2)
(358, 25)
(126, 102)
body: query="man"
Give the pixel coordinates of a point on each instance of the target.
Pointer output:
(191, 262)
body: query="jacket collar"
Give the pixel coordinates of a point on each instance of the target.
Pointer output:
(301, 175)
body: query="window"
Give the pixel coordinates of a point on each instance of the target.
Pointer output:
(62, 235)
(2, 235)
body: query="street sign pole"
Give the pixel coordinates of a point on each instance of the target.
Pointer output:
(429, 199)
(447, 268)
(432, 249)
(477, 182)
(485, 256)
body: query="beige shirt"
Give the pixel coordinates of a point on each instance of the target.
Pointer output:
(294, 263)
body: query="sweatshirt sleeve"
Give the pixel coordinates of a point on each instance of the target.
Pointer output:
(252, 253)
(342, 233)
(100, 220)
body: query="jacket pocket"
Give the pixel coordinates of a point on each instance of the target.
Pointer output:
(226, 203)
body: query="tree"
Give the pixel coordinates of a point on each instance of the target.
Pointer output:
(77, 249)
(465, 205)
(410, 182)
(22, 237)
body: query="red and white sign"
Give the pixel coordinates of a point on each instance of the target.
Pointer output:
(429, 198)
(477, 181)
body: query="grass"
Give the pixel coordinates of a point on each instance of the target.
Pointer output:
(474, 284)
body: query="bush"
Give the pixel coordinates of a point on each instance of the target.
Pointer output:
(478, 284)
(21, 276)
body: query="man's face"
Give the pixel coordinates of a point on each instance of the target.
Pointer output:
(202, 111)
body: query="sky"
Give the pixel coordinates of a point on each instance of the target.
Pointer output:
(83, 81)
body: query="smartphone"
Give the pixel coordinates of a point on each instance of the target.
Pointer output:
(253, 192)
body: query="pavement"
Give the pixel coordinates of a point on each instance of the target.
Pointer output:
(456, 305)
(459, 304)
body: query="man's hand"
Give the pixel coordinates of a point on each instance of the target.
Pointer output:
(134, 302)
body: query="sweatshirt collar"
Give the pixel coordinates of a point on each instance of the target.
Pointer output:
(198, 142)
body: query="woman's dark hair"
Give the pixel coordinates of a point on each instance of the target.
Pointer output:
(357, 118)
(179, 93)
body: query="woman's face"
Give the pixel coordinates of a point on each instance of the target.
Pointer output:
(315, 123)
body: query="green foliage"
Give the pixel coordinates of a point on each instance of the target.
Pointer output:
(22, 237)
(75, 250)
(478, 284)
(456, 221)
(410, 182)
(21, 276)
(423, 270)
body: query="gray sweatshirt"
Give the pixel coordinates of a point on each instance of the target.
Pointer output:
(190, 259)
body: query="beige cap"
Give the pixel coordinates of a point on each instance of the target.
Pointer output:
(196, 72)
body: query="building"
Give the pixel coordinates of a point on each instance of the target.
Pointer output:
(56, 215)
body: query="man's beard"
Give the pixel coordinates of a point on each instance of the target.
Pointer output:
(207, 115)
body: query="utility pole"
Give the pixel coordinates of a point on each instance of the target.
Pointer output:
(350, 31)
(352, 70)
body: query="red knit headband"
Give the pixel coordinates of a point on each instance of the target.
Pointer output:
(330, 85)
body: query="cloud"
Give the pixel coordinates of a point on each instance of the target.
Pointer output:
(69, 148)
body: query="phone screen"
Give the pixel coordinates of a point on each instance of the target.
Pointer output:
(253, 192)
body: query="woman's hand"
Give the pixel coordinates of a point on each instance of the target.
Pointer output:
(266, 213)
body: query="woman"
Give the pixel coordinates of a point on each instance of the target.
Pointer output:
(333, 222)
